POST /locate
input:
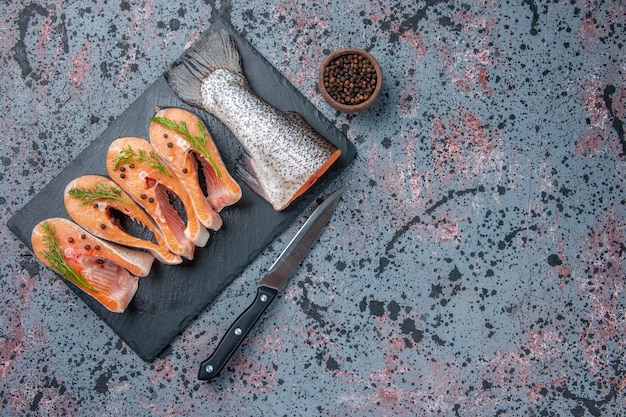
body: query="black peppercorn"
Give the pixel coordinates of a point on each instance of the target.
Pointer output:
(350, 79)
(87, 247)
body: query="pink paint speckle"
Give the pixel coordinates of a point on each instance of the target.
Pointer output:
(126, 66)
(12, 346)
(468, 67)
(598, 136)
(601, 280)
(589, 32)
(463, 145)
(163, 371)
(80, 67)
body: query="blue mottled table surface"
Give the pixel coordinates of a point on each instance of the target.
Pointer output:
(475, 265)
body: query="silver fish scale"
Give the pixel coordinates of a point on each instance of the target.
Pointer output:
(285, 151)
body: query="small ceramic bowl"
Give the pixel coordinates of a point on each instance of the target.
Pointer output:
(345, 85)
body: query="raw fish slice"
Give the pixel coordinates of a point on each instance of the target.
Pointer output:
(286, 154)
(104, 270)
(96, 202)
(134, 165)
(182, 141)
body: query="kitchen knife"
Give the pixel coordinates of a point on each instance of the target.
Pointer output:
(276, 277)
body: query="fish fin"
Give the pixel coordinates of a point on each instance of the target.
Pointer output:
(295, 115)
(244, 168)
(217, 50)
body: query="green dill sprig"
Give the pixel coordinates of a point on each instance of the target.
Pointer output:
(57, 260)
(100, 192)
(197, 142)
(152, 159)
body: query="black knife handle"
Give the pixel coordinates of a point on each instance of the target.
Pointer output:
(211, 367)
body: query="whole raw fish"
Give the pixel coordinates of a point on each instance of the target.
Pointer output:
(285, 155)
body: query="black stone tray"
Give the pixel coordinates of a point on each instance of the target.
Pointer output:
(172, 296)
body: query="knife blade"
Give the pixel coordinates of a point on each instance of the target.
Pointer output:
(269, 286)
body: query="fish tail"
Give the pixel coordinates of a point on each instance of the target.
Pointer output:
(209, 53)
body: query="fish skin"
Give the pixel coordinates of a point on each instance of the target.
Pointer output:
(96, 219)
(112, 270)
(149, 182)
(185, 159)
(285, 155)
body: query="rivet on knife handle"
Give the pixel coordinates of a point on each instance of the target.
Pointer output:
(211, 367)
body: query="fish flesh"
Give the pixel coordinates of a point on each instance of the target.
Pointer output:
(134, 165)
(105, 271)
(181, 139)
(284, 155)
(102, 208)
(184, 143)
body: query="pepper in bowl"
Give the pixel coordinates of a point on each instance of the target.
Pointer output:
(350, 80)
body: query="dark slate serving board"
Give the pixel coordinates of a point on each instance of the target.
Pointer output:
(172, 296)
